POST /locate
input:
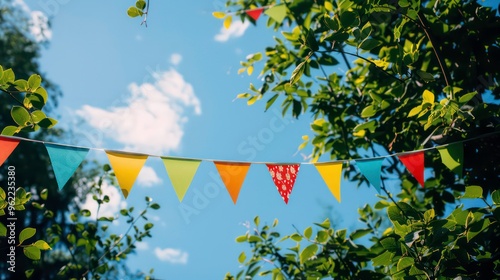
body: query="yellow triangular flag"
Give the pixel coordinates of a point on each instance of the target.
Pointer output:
(232, 174)
(126, 167)
(181, 172)
(332, 175)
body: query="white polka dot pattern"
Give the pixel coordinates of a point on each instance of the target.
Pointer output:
(284, 178)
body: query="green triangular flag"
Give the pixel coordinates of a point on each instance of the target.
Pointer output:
(181, 172)
(278, 13)
(453, 157)
(65, 160)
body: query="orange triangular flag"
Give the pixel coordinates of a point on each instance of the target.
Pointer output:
(232, 174)
(332, 174)
(414, 162)
(126, 167)
(7, 146)
(255, 13)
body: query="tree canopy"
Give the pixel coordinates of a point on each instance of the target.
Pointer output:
(382, 77)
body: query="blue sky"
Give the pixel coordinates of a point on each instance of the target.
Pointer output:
(169, 89)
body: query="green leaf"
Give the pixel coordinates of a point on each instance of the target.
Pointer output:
(495, 196)
(256, 220)
(466, 97)
(154, 206)
(347, 18)
(3, 230)
(242, 257)
(42, 245)
(42, 93)
(369, 111)
(28, 273)
(296, 237)
(425, 76)
(415, 111)
(325, 224)
(429, 215)
(10, 130)
(360, 233)
(383, 259)
(134, 12)
(148, 226)
(371, 125)
(32, 252)
(369, 44)
(308, 252)
(38, 116)
(20, 115)
(26, 234)
(21, 85)
(140, 4)
(85, 213)
(34, 82)
(297, 72)
(308, 232)
(477, 228)
(43, 194)
(473, 192)
(395, 215)
(405, 262)
(428, 97)
(47, 123)
(241, 238)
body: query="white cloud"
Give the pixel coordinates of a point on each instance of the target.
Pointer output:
(38, 22)
(237, 29)
(110, 209)
(152, 118)
(175, 59)
(147, 177)
(170, 255)
(142, 246)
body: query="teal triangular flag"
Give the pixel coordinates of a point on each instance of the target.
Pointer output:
(371, 169)
(65, 160)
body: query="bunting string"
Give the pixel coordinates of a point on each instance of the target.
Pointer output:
(66, 158)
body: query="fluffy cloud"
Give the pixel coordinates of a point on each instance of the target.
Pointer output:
(147, 177)
(142, 246)
(172, 256)
(152, 118)
(237, 29)
(175, 59)
(38, 22)
(110, 209)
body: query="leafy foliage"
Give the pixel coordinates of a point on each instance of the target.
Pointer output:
(380, 77)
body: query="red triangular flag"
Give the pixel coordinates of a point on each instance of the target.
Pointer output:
(255, 13)
(414, 162)
(284, 178)
(7, 146)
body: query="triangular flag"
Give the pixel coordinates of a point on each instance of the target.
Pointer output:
(278, 13)
(65, 160)
(284, 178)
(232, 174)
(181, 172)
(126, 167)
(371, 169)
(7, 146)
(332, 175)
(453, 157)
(255, 13)
(414, 162)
